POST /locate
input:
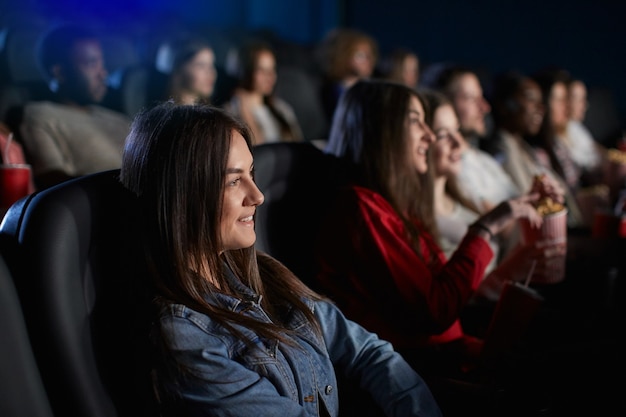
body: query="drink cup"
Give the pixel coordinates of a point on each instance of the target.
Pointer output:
(553, 231)
(14, 183)
(591, 199)
(607, 225)
(517, 306)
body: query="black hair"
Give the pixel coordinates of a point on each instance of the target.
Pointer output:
(55, 46)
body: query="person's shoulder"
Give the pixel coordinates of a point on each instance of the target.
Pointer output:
(366, 197)
(282, 104)
(40, 113)
(39, 107)
(106, 112)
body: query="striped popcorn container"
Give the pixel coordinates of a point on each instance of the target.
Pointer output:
(553, 230)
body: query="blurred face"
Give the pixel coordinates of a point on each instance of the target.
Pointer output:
(470, 105)
(418, 135)
(529, 110)
(241, 197)
(200, 74)
(577, 101)
(362, 61)
(265, 73)
(558, 102)
(449, 143)
(85, 80)
(410, 71)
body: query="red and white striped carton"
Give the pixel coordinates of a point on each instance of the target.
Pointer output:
(553, 230)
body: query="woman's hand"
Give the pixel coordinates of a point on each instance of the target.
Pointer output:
(546, 186)
(499, 218)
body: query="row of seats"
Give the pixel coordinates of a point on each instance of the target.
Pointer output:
(135, 80)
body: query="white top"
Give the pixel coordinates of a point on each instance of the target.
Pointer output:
(581, 145)
(483, 180)
(71, 140)
(267, 123)
(452, 229)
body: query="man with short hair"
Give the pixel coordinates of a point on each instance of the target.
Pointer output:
(74, 135)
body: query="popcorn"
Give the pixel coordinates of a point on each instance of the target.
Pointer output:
(547, 206)
(615, 155)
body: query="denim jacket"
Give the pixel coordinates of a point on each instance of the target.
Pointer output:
(274, 379)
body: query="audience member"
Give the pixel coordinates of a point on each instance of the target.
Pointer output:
(192, 73)
(236, 332)
(550, 141)
(462, 86)
(454, 214)
(379, 260)
(518, 116)
(587, 153)
(74, 135)
(481, 179)
(270, 118)
(377, 251)
(401, 66)
(346, 56)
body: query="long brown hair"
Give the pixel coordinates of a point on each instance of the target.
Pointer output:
(175, 162)
(249, 58)
(368, 132)
(183, 50)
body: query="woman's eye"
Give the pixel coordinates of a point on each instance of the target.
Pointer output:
(234, 182)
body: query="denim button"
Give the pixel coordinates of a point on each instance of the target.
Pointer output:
(328, 389)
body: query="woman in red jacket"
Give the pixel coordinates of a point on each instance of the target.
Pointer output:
(377, 251)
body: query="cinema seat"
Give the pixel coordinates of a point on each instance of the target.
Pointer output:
(75, 261)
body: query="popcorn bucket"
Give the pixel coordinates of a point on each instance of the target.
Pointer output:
(553, 230)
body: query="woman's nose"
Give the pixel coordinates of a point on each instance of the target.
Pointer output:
(255, 197)
(429, 136)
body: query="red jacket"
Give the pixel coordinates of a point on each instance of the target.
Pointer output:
(368, 267)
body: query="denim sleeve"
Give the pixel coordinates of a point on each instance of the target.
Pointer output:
(381, 371)
(219, 385)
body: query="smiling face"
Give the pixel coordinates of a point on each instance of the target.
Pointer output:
(470, 105)
(85, 78)
(449, 144)
(418, 135)
(529, 108)
(241, 197)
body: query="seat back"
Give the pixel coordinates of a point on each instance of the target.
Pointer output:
(298, 181)
(78, 265)
(21, 389)
(301, 90)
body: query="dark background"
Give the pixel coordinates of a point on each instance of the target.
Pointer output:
(586, 37)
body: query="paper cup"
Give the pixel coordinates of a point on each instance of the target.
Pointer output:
(591, 199)
(14, 183)
(607, 225)
(553, 230)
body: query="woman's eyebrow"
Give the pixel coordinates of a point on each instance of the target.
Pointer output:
(234, 171)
